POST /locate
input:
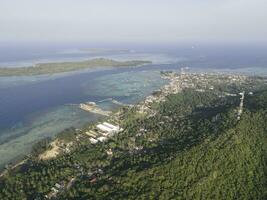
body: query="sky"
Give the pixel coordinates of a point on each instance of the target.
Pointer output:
(133, 21)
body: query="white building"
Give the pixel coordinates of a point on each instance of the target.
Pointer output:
(115, 128)
(102, 139)
(108, 129)
(104, 128)
(93, 141)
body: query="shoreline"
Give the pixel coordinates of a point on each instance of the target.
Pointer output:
(176, 83)
(40, 123)
(13, 164)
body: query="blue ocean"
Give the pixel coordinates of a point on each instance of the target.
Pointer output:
(34, 107)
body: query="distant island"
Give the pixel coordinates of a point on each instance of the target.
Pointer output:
(52, 68)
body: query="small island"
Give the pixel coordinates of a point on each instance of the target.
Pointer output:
(52, 68)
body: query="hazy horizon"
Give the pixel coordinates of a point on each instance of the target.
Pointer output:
(133, 22)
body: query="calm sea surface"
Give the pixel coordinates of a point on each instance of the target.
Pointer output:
(32, 108)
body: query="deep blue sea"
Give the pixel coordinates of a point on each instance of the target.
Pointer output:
(35, 107)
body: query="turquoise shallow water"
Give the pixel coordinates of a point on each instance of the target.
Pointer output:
(35, 107)
(38, 126)
(125, 85)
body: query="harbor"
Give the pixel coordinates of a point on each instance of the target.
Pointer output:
(46, 114)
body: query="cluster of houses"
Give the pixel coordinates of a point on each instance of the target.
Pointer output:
(159, 95)
(55, 190)
(102, 132)
(105, 130)
(178, 81)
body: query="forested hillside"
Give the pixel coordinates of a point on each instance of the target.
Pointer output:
(194, 147)
(189, 153)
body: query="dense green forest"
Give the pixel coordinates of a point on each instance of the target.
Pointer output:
(193, 148)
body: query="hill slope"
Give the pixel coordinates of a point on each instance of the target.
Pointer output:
(204, 154)
(192, 146)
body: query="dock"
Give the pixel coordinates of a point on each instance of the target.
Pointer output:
(93, 108)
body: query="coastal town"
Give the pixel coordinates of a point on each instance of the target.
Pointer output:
(112, 124)
(101, 132)
(133, 100)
